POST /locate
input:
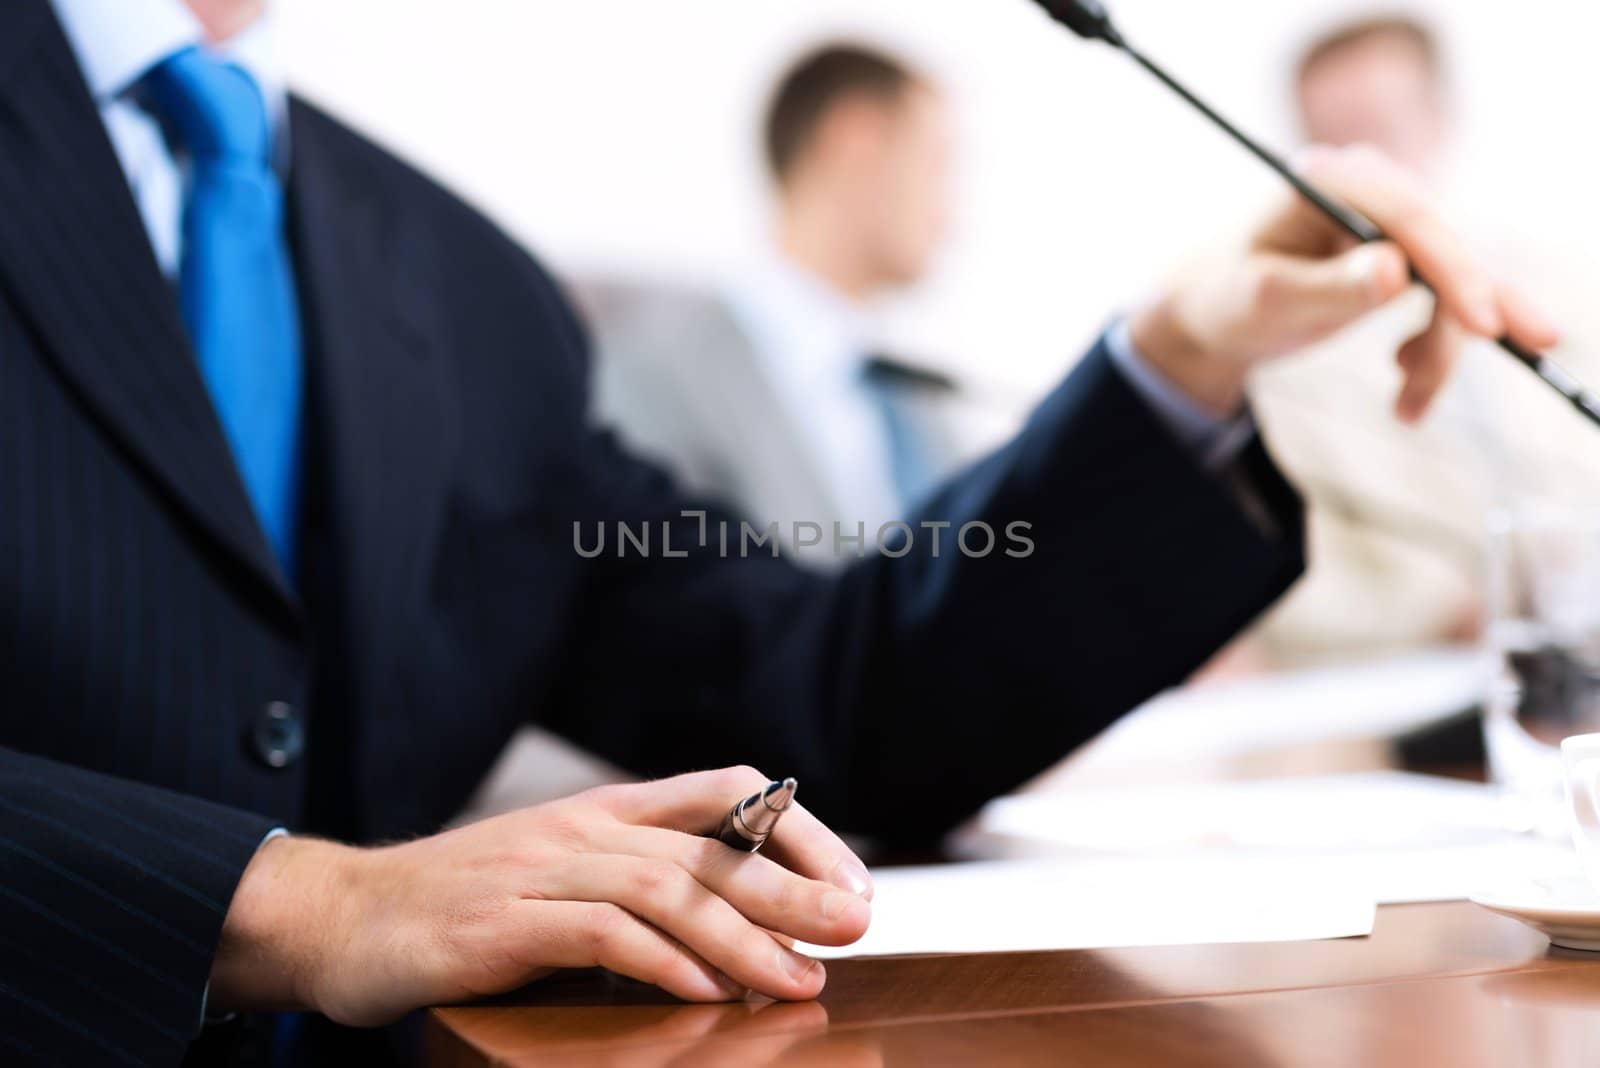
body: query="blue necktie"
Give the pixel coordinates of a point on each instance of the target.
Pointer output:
(912, 468)
(235, 280)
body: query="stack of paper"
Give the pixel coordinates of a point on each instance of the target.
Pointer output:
(1263, 861)
(1015, 906)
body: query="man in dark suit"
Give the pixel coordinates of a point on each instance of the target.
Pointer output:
(289, 486)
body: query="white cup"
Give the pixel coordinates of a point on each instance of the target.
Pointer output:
(1580, 755)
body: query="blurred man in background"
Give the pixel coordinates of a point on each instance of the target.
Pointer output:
(1379, 81)
(1398, 511)
(770, 395)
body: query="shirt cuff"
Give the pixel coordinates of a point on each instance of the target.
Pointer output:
(206, 1019)
(1215, 442)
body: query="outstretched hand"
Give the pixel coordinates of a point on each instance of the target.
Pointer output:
(1300, 279)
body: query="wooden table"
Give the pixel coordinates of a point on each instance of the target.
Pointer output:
(1446, 984)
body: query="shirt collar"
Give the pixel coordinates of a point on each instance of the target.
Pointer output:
(792, 305)
(117, 41)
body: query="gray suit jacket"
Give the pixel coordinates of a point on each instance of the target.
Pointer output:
(680, 380)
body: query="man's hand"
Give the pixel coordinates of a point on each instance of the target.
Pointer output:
(1301, 279)
(616, 877)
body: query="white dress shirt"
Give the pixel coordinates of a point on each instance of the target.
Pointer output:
(812, 343)
(117, 42)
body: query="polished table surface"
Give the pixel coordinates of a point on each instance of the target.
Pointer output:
(1441, 984)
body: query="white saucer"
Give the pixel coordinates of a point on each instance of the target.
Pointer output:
(1564, 908)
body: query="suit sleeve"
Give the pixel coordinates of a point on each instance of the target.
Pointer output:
(906, 692)
(114, 896)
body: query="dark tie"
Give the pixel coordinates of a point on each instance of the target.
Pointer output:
(235, 278)
(913, 464)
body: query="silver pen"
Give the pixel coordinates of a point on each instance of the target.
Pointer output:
(749, 824)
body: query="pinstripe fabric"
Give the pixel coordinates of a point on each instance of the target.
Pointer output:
(144, 626)
(141, 625)
(113, 897)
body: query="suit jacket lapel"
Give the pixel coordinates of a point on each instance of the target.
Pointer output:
(380, 399)
(76, 259)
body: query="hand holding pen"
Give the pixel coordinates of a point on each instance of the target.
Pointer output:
(621, 877)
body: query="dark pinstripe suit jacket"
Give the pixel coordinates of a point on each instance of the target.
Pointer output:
(144, 627)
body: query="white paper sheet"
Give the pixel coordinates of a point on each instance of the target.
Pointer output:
(1018, 906)
(1390, 837)
(1358, 811)
(1429, 873)
(1353, 701)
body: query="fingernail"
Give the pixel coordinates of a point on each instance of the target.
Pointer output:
(1407, 409)
(1363, 264)
(1485, 316)
(835, 904)
(852, 876)
(1548, 332)
(795, 966)
(1307, 156)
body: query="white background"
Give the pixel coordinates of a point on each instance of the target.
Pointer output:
(616, 136)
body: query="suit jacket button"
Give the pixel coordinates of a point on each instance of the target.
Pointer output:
(278, 737)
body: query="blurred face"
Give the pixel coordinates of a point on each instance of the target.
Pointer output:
(874, 187)
(909, 182)
(1382, 92)
(224, 18)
